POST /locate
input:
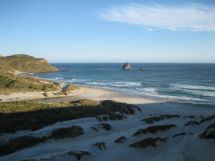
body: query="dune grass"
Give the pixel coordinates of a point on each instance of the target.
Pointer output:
(32, 116)
(9, 83)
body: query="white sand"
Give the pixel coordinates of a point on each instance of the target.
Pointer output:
(182, 148)
(97, 94)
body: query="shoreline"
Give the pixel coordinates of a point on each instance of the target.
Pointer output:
(84, 92)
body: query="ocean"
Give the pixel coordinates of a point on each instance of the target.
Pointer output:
(186, 83)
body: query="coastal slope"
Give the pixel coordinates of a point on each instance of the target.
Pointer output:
(25, 63)
(155, 132)
(14, 74)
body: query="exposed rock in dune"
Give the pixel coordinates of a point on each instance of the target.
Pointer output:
(108, 106)
(95, 129)
(148, 142)
(190, 117)
(112, 116)
(209, 133)
(46, 114)
(72, 132)
(100, 145)
(154, 129)
(151, 120)
(121, 139)
(19, 143)
(179, 134)
(192, 123)
(78, 154)
(106, 126)
(209, 118)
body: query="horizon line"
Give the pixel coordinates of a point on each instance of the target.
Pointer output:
(132, 62)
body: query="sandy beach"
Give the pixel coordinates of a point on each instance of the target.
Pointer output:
(172, 131)
(83, 92)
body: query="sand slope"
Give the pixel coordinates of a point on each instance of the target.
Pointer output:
(188, 147)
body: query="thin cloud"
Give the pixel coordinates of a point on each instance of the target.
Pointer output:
(189, 17)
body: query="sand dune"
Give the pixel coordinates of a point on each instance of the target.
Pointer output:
(179, 143)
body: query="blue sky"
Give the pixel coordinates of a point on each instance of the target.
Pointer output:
(109, 30)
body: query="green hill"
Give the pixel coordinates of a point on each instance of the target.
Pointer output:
(11, 82)
(25, 63)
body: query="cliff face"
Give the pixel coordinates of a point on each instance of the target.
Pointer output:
(25, 63)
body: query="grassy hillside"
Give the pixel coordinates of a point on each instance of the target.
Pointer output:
(25, 63)
(10, 83)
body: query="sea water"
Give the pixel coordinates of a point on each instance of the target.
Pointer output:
(189, 83)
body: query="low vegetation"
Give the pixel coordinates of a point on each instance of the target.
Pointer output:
(9, 83)
(33, 116)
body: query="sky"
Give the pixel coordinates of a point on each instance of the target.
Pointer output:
(172, 31)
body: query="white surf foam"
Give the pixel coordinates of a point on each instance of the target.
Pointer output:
(194, 87)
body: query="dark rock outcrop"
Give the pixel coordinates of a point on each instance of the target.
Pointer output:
(20, 143)
(109, 106)
(209, 133)
(126, 66)
(106, 126)
(209, 118)
(100, 145)
(73, 131)
(142, 69)
(78, 154)
(112, 116)
(121, 139)
(151, 120)
(179, 134)
(154, 129)
(192, 123)
(148, 142)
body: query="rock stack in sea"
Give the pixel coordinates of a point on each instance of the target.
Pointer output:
(126, 66)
